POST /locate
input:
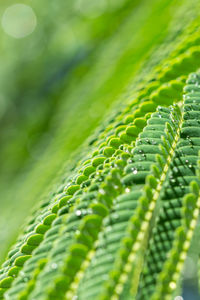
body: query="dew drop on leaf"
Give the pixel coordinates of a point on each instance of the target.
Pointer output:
(78, 212)
(54, 266)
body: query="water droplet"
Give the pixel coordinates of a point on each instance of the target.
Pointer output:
(102, 192)
(54, 266)
(77, 232)
(172, 285)
(134, 170)
(78, 212)
(69, 202)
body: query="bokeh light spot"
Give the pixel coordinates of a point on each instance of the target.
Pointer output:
(19, 20)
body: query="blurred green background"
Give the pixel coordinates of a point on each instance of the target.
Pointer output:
(36, 68)
(63, 66)
(46, 49)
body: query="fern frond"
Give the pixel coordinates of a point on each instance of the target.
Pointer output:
(121, 222)
(171, 274)
(182, 173)
(144, 157)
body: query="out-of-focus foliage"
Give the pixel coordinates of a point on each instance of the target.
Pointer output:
(36, 69)
(99, 133)
(38, 72)
(72, 67)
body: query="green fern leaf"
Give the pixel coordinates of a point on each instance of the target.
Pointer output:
(122, 220)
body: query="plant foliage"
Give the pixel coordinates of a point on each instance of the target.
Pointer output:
(120, 222)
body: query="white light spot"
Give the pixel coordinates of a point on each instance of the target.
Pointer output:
(178, 298)
(19, 20)
(78, 212)
(54, 266)
(172, 285)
